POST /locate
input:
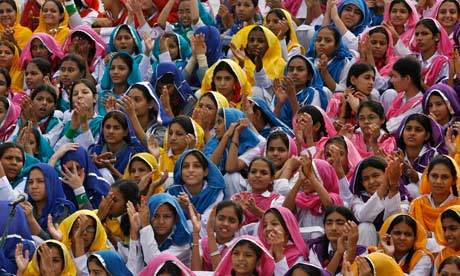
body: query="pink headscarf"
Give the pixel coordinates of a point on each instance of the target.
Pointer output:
(99, 43)
(326, 173)
(157, 263)
(410, 24)
(266, 264)
(397, 108)
(387, 143)
(8, 124)
(444, 46)
(435, 11)
(296, 247)
(262, 202)
(50, 43)
(292, 6)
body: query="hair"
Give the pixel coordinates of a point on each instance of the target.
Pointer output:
(380, 30)
(50, 90)
(59, 5)
(126, 59)
(120, 118)
(278, 215)
(370, 162)
(337, 36)
(308, 269)
(457, 5)
(170, 268)
(95, 259)
(81, 64)
(280, 14)
(413, 225)
(422, 120)
(8, 44)
(257, 250)
(409, 66)
(222, 66)
(148, 97)
(130, 192)
(12, 3)
(310, 70)
(87, 83)
(444, 160)
(338, 139)
(257, 28)
(264, 116)
(83, 35)
(236, 206)
(357, 70)
(430, 25)
(201, 158)
(455, 260)
(7, 76)
(43, 65)
(270, 164)
(10, 145)
(316, 116)
(211, 96)
(52, 245)
(36, 134)
(398, 2)
(377, 108)
(279, 134)
(5, 102)
(185, 122)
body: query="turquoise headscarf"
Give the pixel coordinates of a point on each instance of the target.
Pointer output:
(112, 262)
(138, 48)
(185, 51)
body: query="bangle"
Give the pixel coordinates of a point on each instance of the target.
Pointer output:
(214, 253)
(70, 7)
(70, 133)
(193, 244)
(236, 144)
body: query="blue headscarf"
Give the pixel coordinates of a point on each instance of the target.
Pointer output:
(56, 200)
(181, 233)
(95, 185)
(272, 119)
(215, 184)
(112, 262)
(341, 54)
(185, 51)
(366, 19)
(133, 145)
(138, 48)
(133, 77)
(45, 151)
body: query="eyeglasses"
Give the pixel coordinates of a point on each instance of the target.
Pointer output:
(90, 230)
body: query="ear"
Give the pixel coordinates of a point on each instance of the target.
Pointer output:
(353, 80)
(95, 98)
(150, 104)
(316, 126)
(437, 37)
(206, 172)
(427, 136)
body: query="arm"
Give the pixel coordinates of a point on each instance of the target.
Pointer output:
(230, 164)
(163, 17)
(197, 263)
(289, 201)
(336, 18)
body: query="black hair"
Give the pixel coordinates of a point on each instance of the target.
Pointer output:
(93, 258)
(43, 65)
(10, 45)
(211, 96)
(88, 84)
(222, 66)
(51, 244)
(398, 2)
(317, 117)
(235, 205)
(280, 14)
(310, 270)
(120, 118)
(357, 70)
(455, 260)
(422, 120)
(409, 66)
(126, 58)
(7, 76)
(130, 192)
(270, 164)
(310, 70)
(200, 157)
(278, 134)
(59, 6)
(337, 139)
(413, 225)
(148, 97)
(11, 145)
(369, 162)
(257, 250)
(126, 28)
(380, 30)
(36, 135)
(5, 102)
(85, 36)
(185, 122)
(444, 160)
(257, 28)
(50, 90)
(336, 34)
(430, 25)
(81, 64)
(278, 215)
(256, 108)
(170, 268)
(377, 108)
(12, 3)
(457, 5)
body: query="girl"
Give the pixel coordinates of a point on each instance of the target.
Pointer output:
(263, 118)
(372, 135)
(256, 202)
(172, 47)
(446, 233)
(377, 195)
(406, 80)
(376, 263)
(279, 148)
(246, 256)
(11, 175)
(120, 73)
(341, 234)
(115, 14)
(35, 72)
(166, 264)
(404, 239)
(449, 266)
(205, 112)
(10, 28)
(9, 114)
(143, 169)
(244, 11)
(441, 103)
(447, 13)
(73, 68)
(117, 140)
(42, 45)
(307, 268)
(46, 198)
(331, 57)
(6, 89)
(53, 20)
(108, 262)
(9, 59)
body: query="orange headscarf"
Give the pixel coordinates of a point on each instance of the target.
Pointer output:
(439, 235)
(21, 34)
(61, 33)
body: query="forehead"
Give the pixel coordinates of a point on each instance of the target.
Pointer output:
(297, 62)
(50, 5)
(256, 33)
(378, 36)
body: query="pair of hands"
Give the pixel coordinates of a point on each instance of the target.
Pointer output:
(255, 56)
(348, 237)
(364, 268)
(46, 259)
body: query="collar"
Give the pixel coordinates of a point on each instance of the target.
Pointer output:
(448, 200)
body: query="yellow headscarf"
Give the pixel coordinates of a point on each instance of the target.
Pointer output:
(62, 32)
(273, 61)
(219, 98)
(425, 187)
(69, 266)
(293, 41)
(439, 235)
(16, 74)
(100, 237)
(381, 264)
(244, 85)
(167, 162)
(419, 243)
(152, 163)
(21, 34)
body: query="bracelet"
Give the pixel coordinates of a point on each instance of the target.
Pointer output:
(236, 144)
(70, 7)
(215, 253)
(193, 244)
(82, 199)
(70, 133)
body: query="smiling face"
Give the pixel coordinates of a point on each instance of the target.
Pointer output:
(451, 230)
(244, 259)
(51, 14)
(447, 15)
(7, 15)
(192, 171)
(227, 224)
(259, 176)
(184, 13)
(372, 178)
(271, 223)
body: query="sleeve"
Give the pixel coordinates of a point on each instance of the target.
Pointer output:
(351, 41)
(135, 261)
(282, 266)
(261, 79)
(423, 267)
(284, 49)
(183, 253)
(165, 57)
(148, 243)
(7, 192)
(342, 84)
(80, 264)
(344, 189)
(54, 134)
(392, 205)
(281, 186)
(401, 49)
(367, 212)
(146, 68)
(278, 202)
(85, 139)
(153, 32)
(249, 155)
(313, 258)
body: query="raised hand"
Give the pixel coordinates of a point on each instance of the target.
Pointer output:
(53, 229)
(239, 54)
(134, 220)
(153, 147)
(159, 182)
(210, 225)
(195, 217)
(279, 88)
(73, 177)
(144, 213)
(148, 42)
(450, 141)
(105, 206)
(388, 244)
(21, 260)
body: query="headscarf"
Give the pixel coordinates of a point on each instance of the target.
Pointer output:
(273, 62)
(56, 202)
(69, 266)
(20, 33)
(100, 47)
(265, 265)
(293, 41)
(112, 263)
(292, 149)
(320, 271)
(16, 74)
(325, 174)
(181, 234)
(273, 121)
(435, 11)
(133, 77)
(95, 185)
(157, 263)
(447, 251)
(449, 96)
(409, 26)
(185, 50)
(366, 18)
(8, 124)
(296, 245)
(49, 42)
(214, 185)
(241, 84)
(425, 187)
(63, 29)
(341, 54)
(138, 46)
(419, 246)
(218, 98)
(100, 237)
(151, 161)
(381, 264)
(306, 96)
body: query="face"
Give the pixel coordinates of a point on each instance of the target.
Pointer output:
(245, 10)
(273, 23)
(271, 223)
(36, 186)
(450, 270)
(176, 137)
(88, 233)
(438, 107)
(365, 82)
(333, 226)
(367, 118)
(6, 57)
(119, 71)
(451, 233)
(70, 73)
(379, 45)
(414, 134)
(81, 44)
(399, 14)
(51, 14)
(343, 154)
(57, 261)
(39, 50)
(259, 176)
(227, 223)
(192, 171)
(7, 15)
(137, 170)
(119, 204)
(43, 104)
(277, 152)
(403, 236)
(3, 86)
(124, 41)
(325, 43)
(114, 131)
(33, 76)
(210, 107)
(441, 180)
(298, 71)
(225, 83)
(372, 178)
(173, 47)
(141, 106)
(244, 260)
(219, 127)
(425, 39)
(82, 94)
(447, 14)
(351, 15)
(399, 82)
(96, 270)
(163, 220)
(12, 162)
(184, 12)
(257, 44)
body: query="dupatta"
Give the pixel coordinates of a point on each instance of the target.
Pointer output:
(20, 33)
(62, 31)
(69, 266)
(409, 26)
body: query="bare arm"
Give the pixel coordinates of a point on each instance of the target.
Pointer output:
(163, 17)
